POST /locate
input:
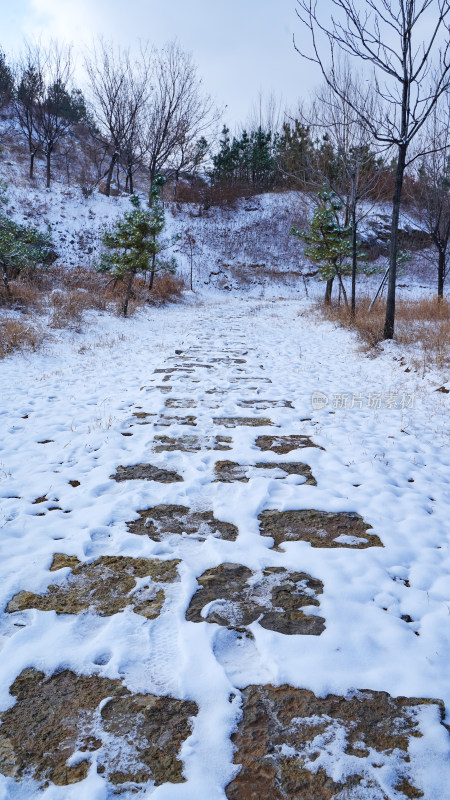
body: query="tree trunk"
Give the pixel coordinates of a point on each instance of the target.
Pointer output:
(130, 181)
(32, 155)
(109, 175)
(118, 174)
(328, 289)
(390, 302)
(48, 157)
(128, 294)
(152, 171)
(152, 272)
(441, 274)
(341, 286)
(5, 281)
(354, 261)
(175, 185)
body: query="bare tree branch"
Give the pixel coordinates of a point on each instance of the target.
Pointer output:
(410, 75)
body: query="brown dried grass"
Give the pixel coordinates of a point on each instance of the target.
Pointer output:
(167, 288)
(424, 322)
(68, 307)
(17, 335)
(66, 295)
(217, 194)
(23, 296)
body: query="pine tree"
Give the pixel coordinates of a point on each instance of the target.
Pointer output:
(294, 153)
(242, 151)
(262, 161)
(246, 160)
(6, 80)
(23, 248)
(328, 243)
(132, 245)
(222, 161)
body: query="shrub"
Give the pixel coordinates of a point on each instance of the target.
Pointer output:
(23, 248)
(425, 323)
(16, 335)
(132, 246)
(166, 289)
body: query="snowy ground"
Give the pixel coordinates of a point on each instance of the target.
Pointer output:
(65, 414)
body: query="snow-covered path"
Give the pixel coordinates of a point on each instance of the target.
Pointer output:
(210, 394)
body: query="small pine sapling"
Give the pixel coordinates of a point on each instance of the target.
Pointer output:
(23, 248)
(328, 243)
(132, 245)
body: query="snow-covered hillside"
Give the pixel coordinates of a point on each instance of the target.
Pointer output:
(244, 247)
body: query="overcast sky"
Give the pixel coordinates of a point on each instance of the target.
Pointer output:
(241, 47)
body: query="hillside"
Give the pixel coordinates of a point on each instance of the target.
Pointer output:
(243, 245)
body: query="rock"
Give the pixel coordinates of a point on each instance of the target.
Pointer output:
(103, 587)
(284, 444)
(180, 402)
(319, 528)
(237, 597)
(162, 521)
(191, 444)
(113, 191)
(146, 472)
(284, 730)
(230, 471)
(263, 404)
(165, 421)
(234, 422)
(136, 737)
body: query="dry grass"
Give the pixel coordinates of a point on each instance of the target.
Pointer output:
(208, 195)
(17, 335)
(425, 323)
(65, 295)
(166, 289)
(68, 307)
(23, 296)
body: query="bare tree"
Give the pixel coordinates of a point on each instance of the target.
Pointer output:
(191, 248)
(133, 152)
(267, 113)
(431, 199)
(178, 114)
(410, 73)
(355, 172)
(58, 106)
(119, 90)
(45, 104)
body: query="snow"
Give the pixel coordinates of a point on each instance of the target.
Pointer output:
(388, 464)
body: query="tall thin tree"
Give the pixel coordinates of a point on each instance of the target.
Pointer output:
(406, 46)
(58, 106)
(356, 170)
(177, 115)
(29, 86)
(431, 191)
(119, 90)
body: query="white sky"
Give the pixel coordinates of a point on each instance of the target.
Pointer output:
(241, 47)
